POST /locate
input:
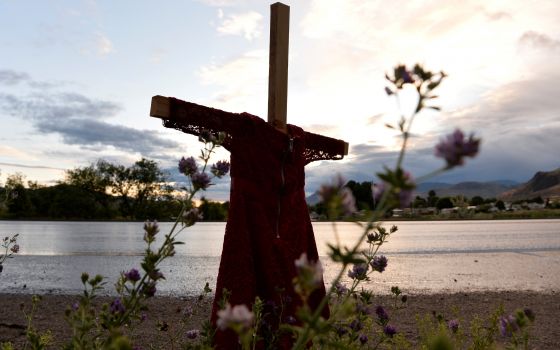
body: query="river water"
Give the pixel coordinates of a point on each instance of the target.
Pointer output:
(424, 257)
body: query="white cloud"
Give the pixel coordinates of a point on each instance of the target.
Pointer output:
(539, 41)
(245, 24)
(242, 81)
(14, 153)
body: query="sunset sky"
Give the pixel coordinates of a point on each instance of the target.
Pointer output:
(76, 79)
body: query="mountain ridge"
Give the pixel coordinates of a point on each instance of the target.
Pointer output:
(544, 184)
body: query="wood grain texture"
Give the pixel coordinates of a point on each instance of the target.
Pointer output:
(278, 65)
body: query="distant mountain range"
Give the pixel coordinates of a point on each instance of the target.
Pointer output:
(489, 189)
(545, 184)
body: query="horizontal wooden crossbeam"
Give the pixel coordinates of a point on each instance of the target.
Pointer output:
(160, 109)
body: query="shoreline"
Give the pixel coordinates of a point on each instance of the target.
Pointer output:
(50, 314)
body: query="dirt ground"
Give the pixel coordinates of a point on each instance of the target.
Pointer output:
(50, 315)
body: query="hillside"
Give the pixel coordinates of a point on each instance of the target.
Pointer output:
(468, 189)
(544, 184)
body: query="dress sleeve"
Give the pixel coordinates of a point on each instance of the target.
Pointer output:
(318, 147)
(193, 119)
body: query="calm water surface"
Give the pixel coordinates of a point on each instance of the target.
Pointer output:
(430, 256)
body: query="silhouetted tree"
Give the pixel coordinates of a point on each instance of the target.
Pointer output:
(432, 198)
(444, 202)
(362, 194)
(213, 211)
(476, 200)
(420, 202)
(16, 197)
(500, 205)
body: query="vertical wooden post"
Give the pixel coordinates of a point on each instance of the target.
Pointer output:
(278, 65)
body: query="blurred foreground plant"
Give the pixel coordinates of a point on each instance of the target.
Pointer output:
(355, 321)
(110, 325)
(9, 247)
(92, 328)
(395, 189)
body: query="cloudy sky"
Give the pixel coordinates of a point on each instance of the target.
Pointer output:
(76, 79)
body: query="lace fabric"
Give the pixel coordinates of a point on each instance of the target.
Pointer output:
(269, 225)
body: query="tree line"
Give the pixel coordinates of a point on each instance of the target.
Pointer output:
(108, 191)
(362, 192)
(101, 191)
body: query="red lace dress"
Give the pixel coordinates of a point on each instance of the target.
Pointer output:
(268, 225)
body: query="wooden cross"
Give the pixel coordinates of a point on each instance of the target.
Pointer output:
(277, 73)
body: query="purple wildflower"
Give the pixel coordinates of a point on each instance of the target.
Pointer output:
(187, 166)
(356, 325)
(404, 195)
(237, 315)
(191, 216)
(381, 314)
(188, 311)
(220, 169)
(312, 270)
(339, 196)
(363, 339)
(455, 147)
(407, 77)
(453, 325)
(117, 307)
(75, 306)
(133, 275)
(379, 263)
(389, 330)
(340, 330)
(340, 288)
(373, 237)
(193, 333)
(507, 325)
(15, 248)
(149, 289)
(362, 309)
(143, 317)
(358, 272)
(200, 181)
